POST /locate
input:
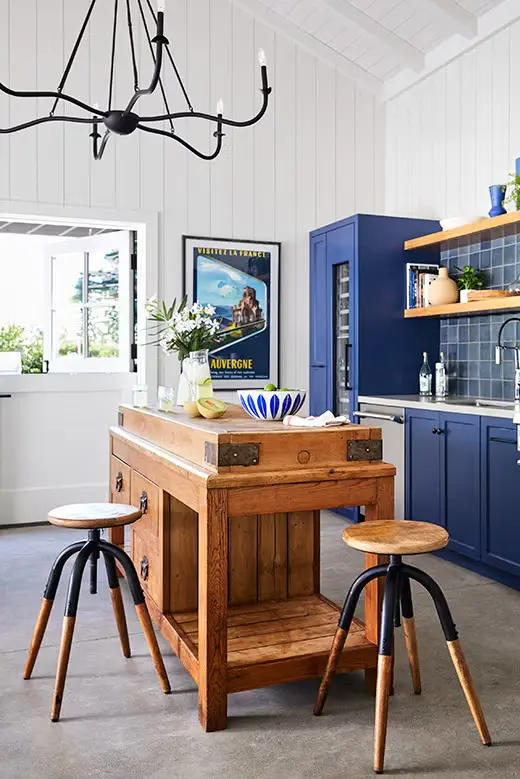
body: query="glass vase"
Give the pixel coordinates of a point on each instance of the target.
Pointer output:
(196, 368)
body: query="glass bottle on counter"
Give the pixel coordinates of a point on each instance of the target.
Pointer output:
(441, 378)
(425, 378)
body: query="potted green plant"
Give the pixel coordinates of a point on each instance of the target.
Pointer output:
(469, 279)
(513, 191)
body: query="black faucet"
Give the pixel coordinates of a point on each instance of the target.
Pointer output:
(515, 349)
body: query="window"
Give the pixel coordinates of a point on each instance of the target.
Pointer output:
(90, 312)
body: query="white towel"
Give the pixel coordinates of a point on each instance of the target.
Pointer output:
(327, 419)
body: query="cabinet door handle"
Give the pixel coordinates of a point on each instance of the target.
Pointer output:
(119, 481)
(434, 430)
(143, 502)
(144, 568)
(347, 366)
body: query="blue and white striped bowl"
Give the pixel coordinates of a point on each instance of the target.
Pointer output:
(261, 404)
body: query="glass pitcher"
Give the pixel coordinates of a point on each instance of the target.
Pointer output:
(196, 369)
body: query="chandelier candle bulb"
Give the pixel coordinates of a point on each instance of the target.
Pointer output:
(262, 58)
(161, 5)
(220, 107)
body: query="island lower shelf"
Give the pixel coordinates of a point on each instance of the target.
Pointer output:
(272, 642)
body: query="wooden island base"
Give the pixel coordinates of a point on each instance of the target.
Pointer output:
(236, 592)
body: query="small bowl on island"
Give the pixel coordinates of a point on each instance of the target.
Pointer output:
(271, 404)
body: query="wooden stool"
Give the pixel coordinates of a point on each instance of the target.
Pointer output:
(396, 538)
(94, 517)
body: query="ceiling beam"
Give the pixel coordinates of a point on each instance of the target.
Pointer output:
(320, 50)
(368, 27)
(461, 21)
(493, 21)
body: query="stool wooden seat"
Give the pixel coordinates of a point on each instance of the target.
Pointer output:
(91, 515)
(94, 517)
(396, 537)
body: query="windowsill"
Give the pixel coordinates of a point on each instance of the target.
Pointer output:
(66, 382)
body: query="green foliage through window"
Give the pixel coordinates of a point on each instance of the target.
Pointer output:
(15, 338)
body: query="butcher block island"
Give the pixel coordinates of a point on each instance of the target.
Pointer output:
(228, 547)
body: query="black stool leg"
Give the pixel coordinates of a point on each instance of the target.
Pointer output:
(455, 649)
(46, 605)
(141, 608)
(410, 635)
(69, 620)
(343, 628)
(117, 603)
(385, 664)
(93, 572)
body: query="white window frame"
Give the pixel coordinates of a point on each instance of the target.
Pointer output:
(146, 224)
(79, 363)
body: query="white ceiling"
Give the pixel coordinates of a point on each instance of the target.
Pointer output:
(381, 37)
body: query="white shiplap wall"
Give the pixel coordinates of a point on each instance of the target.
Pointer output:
(456, 132)
(317, 155)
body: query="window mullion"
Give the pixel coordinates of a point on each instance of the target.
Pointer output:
(84, 304)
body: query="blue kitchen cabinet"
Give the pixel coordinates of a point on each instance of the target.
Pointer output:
(460, 480)
(500, 495)
(318, 334)
(443, 475)
(423, 466)
(360, 342)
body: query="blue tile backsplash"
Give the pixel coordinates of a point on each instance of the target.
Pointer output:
(469, 342)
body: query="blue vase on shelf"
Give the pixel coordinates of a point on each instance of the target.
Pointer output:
(497, 193)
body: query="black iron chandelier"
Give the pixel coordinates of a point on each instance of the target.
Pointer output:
(126, 121)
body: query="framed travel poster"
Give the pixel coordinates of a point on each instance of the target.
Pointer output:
(240, 279)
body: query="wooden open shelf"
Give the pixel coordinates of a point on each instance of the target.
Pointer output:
(274, 642)
(484, 225)
(463, 309)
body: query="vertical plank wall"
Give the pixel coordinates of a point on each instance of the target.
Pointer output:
(454, 133)
(316, 156)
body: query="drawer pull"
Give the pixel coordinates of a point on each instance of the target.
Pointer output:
(119, 482)
(143, 502)
(144, 569)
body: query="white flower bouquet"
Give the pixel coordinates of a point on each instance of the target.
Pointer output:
(183, 330)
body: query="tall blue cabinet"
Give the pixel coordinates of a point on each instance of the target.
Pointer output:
(360, 342)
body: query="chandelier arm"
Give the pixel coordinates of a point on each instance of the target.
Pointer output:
(99, 149)
(132, 44)
(218, 135)
(113, 56)
(150, 46)
(43, 120)
(57, 95)
(266, 91)
(172, 61)
(159, 41)
(73, 53)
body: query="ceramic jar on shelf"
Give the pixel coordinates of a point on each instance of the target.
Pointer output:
(443, 290)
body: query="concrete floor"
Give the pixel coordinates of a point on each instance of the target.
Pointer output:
(117, 724)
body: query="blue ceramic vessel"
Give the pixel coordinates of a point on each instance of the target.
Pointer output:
(497, 193)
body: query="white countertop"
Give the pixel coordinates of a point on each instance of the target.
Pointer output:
(454, 404)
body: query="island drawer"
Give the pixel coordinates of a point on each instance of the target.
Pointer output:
(146, 495)
(120, 481)
(148, 566)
